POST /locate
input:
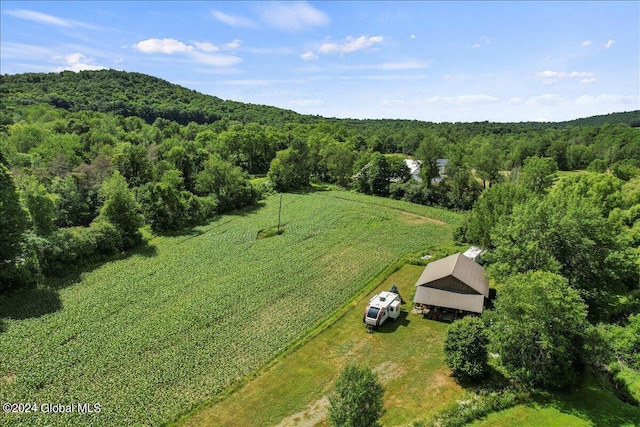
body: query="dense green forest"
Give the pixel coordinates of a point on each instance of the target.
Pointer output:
(93, 155)
(87, 159)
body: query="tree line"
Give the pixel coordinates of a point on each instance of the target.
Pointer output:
(564, 255)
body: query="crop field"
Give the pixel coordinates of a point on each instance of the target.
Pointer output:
(151, 336)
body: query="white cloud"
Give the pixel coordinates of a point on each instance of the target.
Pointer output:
(24, 51)
(231, 20)
(547, 99)
(293, 16)
(586, 43)
(201, 53)
(407, 65)
(263, 82)
(550, 77)
(309, 55)
(168, 46)
(585, 77)
(483, 41)
(350, 44)
(307, 102)
(606, 99)
(609, 43)
(215, 60)
(516, 100)
(43, 18)
(412, 36)
(51, 58)
(39, 17)
(553, 77)
(232, 45)
(393, 102)
(78, 62)
(462, 100)
(206, 46)
(392, 77)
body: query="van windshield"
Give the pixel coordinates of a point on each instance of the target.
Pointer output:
(373, 312)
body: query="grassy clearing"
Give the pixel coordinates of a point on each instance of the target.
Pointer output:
(526, 416)
(587, 406)
(407, 354)
(154, 335)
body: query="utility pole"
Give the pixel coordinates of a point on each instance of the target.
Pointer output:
(279, 213)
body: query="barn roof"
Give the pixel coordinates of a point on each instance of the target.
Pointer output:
(454, 282)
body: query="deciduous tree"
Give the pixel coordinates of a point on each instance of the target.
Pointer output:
(538, 174)
(538, 328)
(357, 398)
(121, 209)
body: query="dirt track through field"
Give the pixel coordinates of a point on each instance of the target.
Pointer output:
(407, 217)
(316, 412)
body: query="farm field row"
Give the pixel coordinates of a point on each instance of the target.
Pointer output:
(152, 336)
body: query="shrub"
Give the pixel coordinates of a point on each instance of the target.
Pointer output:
(476, 406)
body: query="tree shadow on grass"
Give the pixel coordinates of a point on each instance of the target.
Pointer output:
(390, 325)
(493, 380)
(210, 224)
(147, 251)
(593, 403)
(73, 274)
(28, 303)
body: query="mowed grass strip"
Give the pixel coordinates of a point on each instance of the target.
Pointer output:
(154, 335)
(407, 355)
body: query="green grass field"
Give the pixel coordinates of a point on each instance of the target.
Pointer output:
(588, 405)
(407, 355)
(151, 336)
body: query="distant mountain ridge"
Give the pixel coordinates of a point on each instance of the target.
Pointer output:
(148, 97)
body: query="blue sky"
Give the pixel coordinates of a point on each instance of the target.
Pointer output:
(425, 60)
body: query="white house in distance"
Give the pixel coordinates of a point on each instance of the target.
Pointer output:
(415, 165)
(414, 168)
(455, 283)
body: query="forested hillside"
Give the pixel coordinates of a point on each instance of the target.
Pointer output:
(132, 94)
(94, 155)
(135, 94)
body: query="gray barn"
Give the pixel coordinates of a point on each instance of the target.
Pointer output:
(454, 282)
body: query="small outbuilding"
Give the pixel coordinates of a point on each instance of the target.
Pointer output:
(455, 284)
(475, 253)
